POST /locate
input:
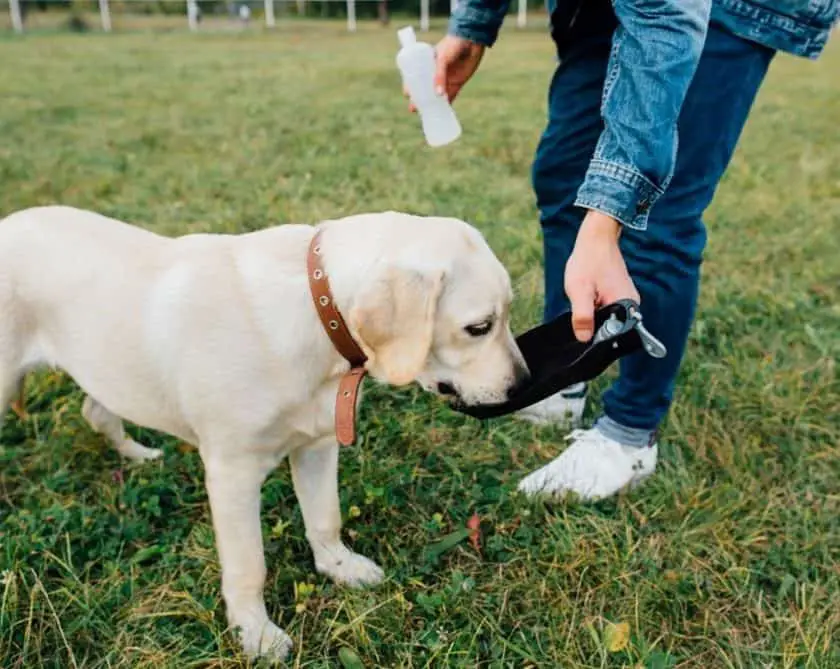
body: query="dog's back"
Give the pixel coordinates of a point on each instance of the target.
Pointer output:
(141, 322)
(54, 260)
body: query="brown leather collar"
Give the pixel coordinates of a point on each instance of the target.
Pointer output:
(342, 340)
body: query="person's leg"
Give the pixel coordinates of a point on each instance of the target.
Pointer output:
(562, 157)
(664, 262)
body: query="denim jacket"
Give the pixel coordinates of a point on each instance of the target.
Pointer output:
(656, 49)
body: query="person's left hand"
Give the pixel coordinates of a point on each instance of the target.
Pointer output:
(595, 273)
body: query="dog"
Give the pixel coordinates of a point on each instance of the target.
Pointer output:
(215, 339)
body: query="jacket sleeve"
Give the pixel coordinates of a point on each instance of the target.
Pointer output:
(655, 52)
(478, 20)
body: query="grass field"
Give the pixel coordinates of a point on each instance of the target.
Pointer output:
(730, 557)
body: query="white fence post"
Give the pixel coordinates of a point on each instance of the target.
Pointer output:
(522, 16)
(269, 13)
(351, 16)
(105, 15)
(192, 14)
(424, 15)
(14, 10)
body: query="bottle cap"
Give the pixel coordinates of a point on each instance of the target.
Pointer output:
(406, 36)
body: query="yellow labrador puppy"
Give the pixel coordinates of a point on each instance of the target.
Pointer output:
(215, 339)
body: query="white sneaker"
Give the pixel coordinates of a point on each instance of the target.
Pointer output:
(563, 408)
(593, 467)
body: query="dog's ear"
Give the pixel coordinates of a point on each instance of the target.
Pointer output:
(393, 320)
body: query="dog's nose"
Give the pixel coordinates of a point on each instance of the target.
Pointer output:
(446, 388)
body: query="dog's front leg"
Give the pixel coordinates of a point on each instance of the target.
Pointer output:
(233, 486)
(315, 476)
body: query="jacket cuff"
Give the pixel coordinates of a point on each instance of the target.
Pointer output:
(476, 25)
(619, 191)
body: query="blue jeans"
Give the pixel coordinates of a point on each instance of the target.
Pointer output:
(664, 260)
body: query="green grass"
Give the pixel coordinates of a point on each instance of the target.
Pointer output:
(730, 557)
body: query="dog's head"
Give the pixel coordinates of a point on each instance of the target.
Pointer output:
(436, 310)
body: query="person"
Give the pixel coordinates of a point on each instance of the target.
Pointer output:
(645, 108)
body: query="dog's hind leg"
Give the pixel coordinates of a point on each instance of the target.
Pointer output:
(9, 389)
(10, 373)
(106, 423)
(11, 381)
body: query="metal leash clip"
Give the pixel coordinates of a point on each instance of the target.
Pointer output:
(613, 327)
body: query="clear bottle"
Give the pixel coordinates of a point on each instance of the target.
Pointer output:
(416, 62)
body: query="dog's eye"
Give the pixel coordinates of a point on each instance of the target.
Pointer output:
(479, 329)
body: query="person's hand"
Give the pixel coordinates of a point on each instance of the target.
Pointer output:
(457, 60)
(596, 273)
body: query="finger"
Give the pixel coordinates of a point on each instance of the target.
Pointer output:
(583, 311)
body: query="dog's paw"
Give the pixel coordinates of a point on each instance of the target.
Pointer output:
(266, 640)
(351, 569)
(137, 452)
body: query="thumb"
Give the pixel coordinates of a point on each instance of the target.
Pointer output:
(582, 298)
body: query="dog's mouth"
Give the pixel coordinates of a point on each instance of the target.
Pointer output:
(452, 395)
(458, 402)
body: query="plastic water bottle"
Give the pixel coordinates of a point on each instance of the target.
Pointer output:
(416, 62)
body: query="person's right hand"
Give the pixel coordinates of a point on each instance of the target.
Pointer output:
(457, 60)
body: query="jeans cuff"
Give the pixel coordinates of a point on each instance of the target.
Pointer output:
(626, 436)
